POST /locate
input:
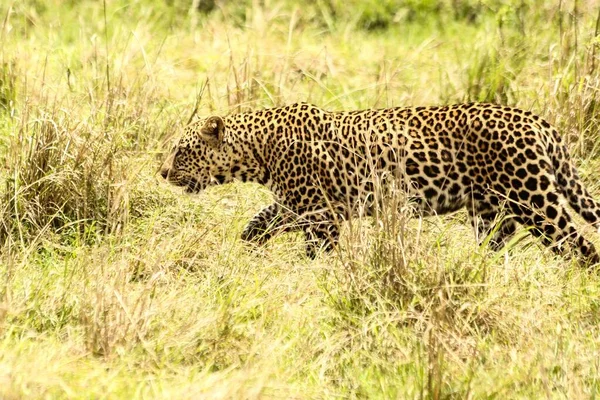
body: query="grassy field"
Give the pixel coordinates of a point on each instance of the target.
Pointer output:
(113, 285)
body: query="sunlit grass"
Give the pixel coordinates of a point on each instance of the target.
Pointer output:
(114, 285)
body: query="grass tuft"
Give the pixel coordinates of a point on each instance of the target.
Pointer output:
(62, 176)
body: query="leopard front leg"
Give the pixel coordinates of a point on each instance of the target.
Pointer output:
(320, 227)
(321, 230)
(269, 222)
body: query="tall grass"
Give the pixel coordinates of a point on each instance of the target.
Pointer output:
(114, 285)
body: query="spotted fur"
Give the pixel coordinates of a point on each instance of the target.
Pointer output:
(321, 165)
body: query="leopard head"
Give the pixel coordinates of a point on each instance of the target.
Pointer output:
(201, 158)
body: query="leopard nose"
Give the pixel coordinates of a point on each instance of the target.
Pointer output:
(164, 172)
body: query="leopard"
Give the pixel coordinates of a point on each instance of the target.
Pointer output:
(508, 167)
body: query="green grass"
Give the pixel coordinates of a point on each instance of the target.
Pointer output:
(113, 285)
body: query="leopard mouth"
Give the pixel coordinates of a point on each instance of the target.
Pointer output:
(189, 183)
(218, 179)
(193, 185)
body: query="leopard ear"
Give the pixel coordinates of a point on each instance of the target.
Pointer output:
(213, 130)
